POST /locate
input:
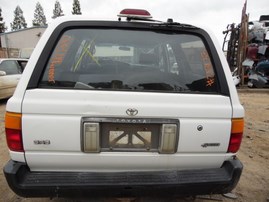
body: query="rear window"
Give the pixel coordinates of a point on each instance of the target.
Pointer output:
(130, 60)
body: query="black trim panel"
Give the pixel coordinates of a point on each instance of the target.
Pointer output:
(122, 184)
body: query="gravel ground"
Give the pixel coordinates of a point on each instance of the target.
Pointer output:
(254, 153)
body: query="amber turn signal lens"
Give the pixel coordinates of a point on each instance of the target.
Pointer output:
(237, 125)
(13, 120)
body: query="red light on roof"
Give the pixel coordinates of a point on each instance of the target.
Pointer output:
(134, 13)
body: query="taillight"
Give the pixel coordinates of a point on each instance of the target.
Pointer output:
(236, 135)
(168, 139)
(13, 131)
(91, 137)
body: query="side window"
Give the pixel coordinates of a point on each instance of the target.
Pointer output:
(10, 67)
(60, 58)
(200, 74)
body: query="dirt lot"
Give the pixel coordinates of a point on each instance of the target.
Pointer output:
(254, 153)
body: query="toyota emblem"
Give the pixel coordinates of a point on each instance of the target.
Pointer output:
(131, 112)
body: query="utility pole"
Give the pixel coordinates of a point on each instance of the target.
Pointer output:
(242, 44)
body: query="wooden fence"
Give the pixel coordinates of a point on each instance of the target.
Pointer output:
(9, 52)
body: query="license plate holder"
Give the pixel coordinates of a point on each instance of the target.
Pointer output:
(130, 137)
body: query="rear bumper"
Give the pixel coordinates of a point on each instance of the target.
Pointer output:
(123, 184)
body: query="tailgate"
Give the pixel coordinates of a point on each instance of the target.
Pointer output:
(53, 133)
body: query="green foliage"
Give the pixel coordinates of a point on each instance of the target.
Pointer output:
(57, 11)
(19, 20)
(76, 8)
(2, 23)
(39, 16)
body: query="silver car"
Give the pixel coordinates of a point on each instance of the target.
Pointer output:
(10, 74)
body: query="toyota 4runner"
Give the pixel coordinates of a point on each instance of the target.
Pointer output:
(124, 108)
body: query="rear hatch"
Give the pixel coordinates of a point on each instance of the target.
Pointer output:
(126, 97)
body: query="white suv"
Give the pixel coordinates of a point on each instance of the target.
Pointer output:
(124, 108)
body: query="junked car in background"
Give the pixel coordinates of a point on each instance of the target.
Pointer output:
(10, 74)
(236, 77)
(259, 77)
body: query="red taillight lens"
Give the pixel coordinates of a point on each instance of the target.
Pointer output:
(135, 12)
(236, 135)
(235, 142)
(13, 131)
(14, 140)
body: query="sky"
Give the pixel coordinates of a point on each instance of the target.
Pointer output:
(214, 14)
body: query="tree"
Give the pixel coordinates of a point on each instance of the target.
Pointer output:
(19, 20)
(2, 23)
(39, 16)
(76, 8)
(57, 11)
